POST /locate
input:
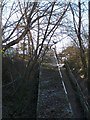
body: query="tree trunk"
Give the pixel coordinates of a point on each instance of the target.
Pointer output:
(24, 48)
(88, 81)
(82, 52)
(0, 60)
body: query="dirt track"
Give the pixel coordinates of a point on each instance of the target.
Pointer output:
(53, 102)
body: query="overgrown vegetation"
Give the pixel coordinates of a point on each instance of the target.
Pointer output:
(19, 97)
(73, 58)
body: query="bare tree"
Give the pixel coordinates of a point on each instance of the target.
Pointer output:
(80, 40)
(24, 32)
(49, 32)
(41, 19)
